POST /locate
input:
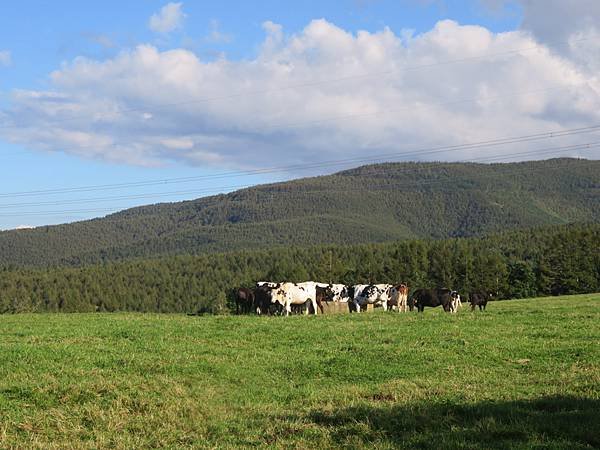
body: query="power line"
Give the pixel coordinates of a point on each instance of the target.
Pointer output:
(217, 190)
(415, 152)
(311, 83)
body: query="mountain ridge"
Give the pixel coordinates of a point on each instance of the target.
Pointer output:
(372, 203)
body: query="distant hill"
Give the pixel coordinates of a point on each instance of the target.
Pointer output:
(374, 203)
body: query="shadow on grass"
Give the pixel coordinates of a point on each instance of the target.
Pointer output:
(551, 422)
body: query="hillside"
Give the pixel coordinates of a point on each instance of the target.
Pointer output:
(374, 203)
(554, 260)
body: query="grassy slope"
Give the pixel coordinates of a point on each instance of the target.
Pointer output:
(524, 374)
(374, 203)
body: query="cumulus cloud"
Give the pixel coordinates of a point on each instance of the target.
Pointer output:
(555, 22)
(391, 93)
(168, 19)
(5, 58)
(569, 28)
(552, 20)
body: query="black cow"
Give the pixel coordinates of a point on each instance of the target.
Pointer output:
(479, 299)
(262, 299)
(432, 298)
(244, 300)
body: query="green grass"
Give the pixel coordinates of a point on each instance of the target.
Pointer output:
(524, 374)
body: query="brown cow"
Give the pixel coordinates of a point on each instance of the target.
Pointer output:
(244, 300)
(399, 297)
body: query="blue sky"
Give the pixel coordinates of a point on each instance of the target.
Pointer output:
(73, 39)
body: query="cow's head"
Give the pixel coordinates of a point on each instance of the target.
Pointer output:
(412, 303)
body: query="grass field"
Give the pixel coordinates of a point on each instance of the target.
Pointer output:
(524, 374)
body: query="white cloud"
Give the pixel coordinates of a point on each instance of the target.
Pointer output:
(5, 58)
(168, 19)
(554, 20)
(217, 36)
(149, 107)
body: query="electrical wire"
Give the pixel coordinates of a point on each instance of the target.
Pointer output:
(416, 152)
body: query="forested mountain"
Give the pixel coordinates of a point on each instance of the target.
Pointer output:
(542, 261)
(374, 203)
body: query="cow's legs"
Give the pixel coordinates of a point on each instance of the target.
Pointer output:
(384, 305)
(314, 303)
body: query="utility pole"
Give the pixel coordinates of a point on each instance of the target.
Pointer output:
(466, 271)
(330, 265)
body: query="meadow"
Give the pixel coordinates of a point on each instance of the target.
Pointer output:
(523, 374)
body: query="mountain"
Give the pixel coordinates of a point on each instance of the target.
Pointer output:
(374, 203)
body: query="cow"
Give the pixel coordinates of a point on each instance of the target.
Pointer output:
(288, 294)
(432, 298)
(399, 297)
(269, 284)
(244, 300)
(479, 299)
(332, 293)
(262, 299)
(338, 292)
(355, 292)
(372, 294)
(321, 296)
(455, 303)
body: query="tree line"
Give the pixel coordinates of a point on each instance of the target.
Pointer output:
(543, 261)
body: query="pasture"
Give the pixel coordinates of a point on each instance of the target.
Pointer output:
(524, 374)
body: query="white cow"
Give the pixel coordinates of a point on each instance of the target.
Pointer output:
(288, 294)
(372, 294)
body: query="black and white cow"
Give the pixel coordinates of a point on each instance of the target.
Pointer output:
(288, 294)
(455, 303)
(372, 294)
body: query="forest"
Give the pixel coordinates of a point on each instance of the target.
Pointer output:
(551, 260)
(370, 204)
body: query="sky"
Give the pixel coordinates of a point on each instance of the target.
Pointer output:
(108, 105)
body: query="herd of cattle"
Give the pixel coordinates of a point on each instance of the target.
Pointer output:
(285, 298)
